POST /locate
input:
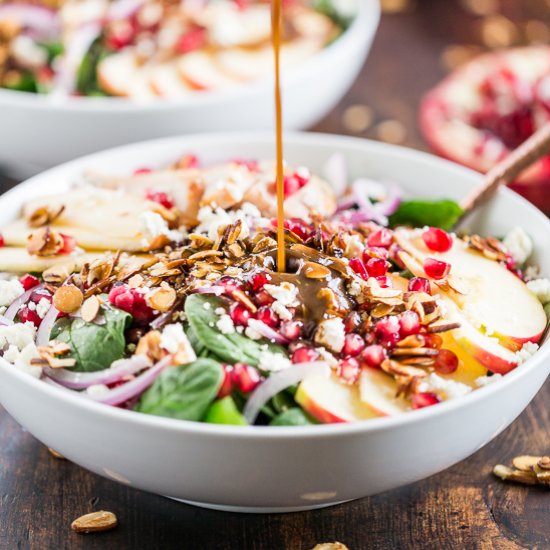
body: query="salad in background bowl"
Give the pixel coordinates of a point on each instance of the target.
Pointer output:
(367, 321)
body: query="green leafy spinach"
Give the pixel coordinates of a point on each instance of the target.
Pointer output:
(435, 213)
(293, 417)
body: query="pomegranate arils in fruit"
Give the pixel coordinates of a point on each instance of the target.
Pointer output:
(437, 240)
(348, 370)
(419, 284)
(421, 400)
(40, 294)
(352, 322)
(446, 362)
(353, 345)
(436, 269)
(382, 238)
(384, 281)
(359, 267)
(239, 314)
(263, 298)
(387, 331)
(377, 267)
(159, 197)
(139, 171)
(28, 315)
(373, 356)
(375, 252)
(227, 385)
(299, 227)
(191, 40)
(409, 323)
(293, 183)
(2, 242)
(291, 330)
(132, 301)
(188, 161)
(245, 377)
(229, 283)
(305, 354)
(69, 244)
(28, 281)
(267, 316)
(258, 280)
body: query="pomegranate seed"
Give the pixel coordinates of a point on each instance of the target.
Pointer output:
(299, 227)
(433, 341)
(267, 316)
(40, 294)
(387, 331)
(252, 165)
(436, 269)
(142, 171)
(159, 197)
(382, 238)
(419, 284)
(2, 242)
(245, 377)
(359, 267)
(121, 38)
(230, 284)
(348, 370)
(227, 385)
(305, 355)
(353, 345)
(373, 356)
(437, 240)
(28, 281)
(446, 362)
(291, 330)
(394, 255)
(28, 315)
(188, 161)
(291, 185)
(352, 322)
(263, 298)
(384, 282)
(69, 244)
(258, 280)
(191, 40)
(377, 267)
(239, 314)
(132, 301)
(409, 323)
(421, 400)
(375, 252)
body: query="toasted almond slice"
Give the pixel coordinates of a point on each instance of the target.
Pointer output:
(330, 546)
(90, 308)
(94, 522)
(68, 298)
(505, 473)
(162, 299)
(543, 475)
(55, 454)
(525, 463)
(544, 463)
(58, 273)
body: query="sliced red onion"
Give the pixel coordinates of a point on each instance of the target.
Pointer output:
(392, 201)
(217, 290)
(161, 320)
(336, 173)
(39, 19)
(116, 372)
(11, 312)
(122, 9)
(45, 328)
(5, 321)
(363, 190)
(278, 382)
(267, 332)
(69, 62)
(135, 387)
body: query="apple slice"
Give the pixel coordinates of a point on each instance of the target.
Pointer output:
(469, 369)
(330, 401)
(378, 391)
(200, 71)
(494, 299)
(166, 81)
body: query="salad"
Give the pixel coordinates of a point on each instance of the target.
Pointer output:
(145, 49)
(158, 292)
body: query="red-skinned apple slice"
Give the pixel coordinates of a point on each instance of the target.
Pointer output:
(378, 391)
(167, 82)
(330, 401)
(494, 299)
(200, 71)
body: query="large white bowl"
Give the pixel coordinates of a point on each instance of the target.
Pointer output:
(275, 468)
(38, 133)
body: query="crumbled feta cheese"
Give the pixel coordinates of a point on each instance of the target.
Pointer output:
(19, 335)
(482, 381)
(325, 355)
(519, 244)
(526, 352)
(31, 306)
(285, 293)
(253, 334)
(355, 288)
(212, 218)
(97, 390)
(532, 272)
(43, 307)
(354, 245)
(273, 362)
(10, 290)
(444, 388)
(22, 359)
(541, 289)
(219, 311)
(27, 52)
(281, 311)
(225, 324)
(331, 334)
(154, 225)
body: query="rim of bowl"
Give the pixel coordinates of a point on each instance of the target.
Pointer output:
(276, 432)
(368, 13)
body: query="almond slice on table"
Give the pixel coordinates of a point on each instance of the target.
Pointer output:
(95, 522)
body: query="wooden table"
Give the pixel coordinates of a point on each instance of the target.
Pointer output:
(459, 508)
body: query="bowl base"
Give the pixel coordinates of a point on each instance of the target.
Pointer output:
(258, 509)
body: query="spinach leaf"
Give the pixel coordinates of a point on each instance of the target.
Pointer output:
(225, 411)
(435, 213)
(293, 417)
(282, 402)
(328, 8)
(231, 348)
(86, 77)
(27, 83)
(185, 392)
(94, 346)
(53, 49)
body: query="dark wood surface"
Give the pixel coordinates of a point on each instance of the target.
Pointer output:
(463, 507)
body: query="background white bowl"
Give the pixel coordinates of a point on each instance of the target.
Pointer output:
(269, 468)
(38, 133)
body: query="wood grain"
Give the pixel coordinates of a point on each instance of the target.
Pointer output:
(463, 507)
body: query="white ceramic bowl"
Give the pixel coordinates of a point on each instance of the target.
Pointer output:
(270, 468)
(38, 133)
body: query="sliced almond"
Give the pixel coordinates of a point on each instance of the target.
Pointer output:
(44, 242)
(90, 308)
(162, 299)
(505, 473)
(525, 462)
(94, 522)
(44, 215)
(55, 454)
(544, 463)
(68, 298)
(58, 273)
(313, 270)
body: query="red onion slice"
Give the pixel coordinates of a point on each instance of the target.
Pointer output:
(336, 173)
(5, 321)
(45, 328)
(11, 312)
(135, 387)
(39, 19)
(267, 332)
(392, 201)
(278, 382)
(122, 9)
(116, 372)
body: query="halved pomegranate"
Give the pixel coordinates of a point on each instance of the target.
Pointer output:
(488, 107)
